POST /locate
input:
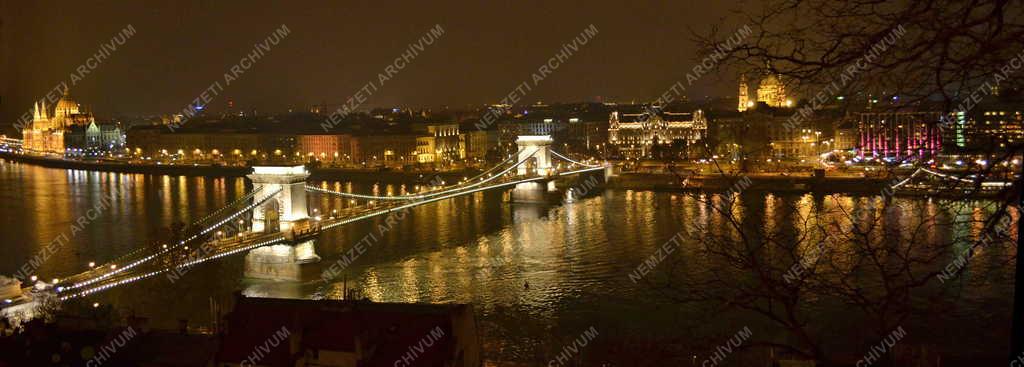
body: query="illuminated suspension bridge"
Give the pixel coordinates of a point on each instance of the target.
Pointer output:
(280, 219)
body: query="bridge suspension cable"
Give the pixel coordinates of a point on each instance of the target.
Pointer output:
(426, 201)
(188, 264)
(573, 161)
(118, 270)
(127, 256)
(109, 281)
(426, 195)
(482, 175)
(240, 200)
(405, 197)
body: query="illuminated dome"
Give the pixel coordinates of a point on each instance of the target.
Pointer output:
(65, 106)
(772, 91)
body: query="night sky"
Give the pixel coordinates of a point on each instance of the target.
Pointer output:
(181, 47)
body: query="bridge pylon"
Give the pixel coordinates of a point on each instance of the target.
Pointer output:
(288, 206)
(541, 162)
(287, 212)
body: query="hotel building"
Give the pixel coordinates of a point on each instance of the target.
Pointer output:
(636, 134)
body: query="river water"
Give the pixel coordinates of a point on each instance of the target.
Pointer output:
(538, 274)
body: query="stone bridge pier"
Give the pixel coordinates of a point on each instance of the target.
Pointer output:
(285, 212)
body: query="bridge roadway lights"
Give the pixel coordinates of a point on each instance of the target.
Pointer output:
(287, 206)
(282, 262)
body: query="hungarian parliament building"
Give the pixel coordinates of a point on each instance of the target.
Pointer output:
(69, 131)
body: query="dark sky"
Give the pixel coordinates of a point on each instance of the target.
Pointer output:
(181, 47)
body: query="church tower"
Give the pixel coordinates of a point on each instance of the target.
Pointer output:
(744, 98)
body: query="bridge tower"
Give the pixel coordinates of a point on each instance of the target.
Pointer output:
(281, 212)
(284, 212)
(541, 162)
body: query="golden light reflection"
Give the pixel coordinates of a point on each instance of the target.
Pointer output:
(538, 245)
(183, 203)
(371, 286)
(770, 204)
(436, 282)
(407, 282)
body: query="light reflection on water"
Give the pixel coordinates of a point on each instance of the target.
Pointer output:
(564, 265)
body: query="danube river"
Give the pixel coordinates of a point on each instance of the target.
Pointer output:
(538, 274)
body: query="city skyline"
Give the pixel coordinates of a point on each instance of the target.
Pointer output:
(349, 184)
(332, 51)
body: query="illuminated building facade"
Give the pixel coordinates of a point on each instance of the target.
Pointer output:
(846, 136)
(802, 143)
(290, 138)
(159, 144)
(586, 135)
(93, 139)
(988, 127)
(477, 144)
(441, 144)
(636, 134)
(509, 131)
(768, 134)
(47, 133)
(425, 147)
(393, 150)
(326, 148)
(900, 134)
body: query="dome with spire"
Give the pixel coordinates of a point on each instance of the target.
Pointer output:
(65, 106)
(772, 91)
(771, 81)
(67, 130)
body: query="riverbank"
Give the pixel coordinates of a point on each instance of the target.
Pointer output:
(795, 183)
(766, 182)
(236, 171)
(173, 170)
(769, 182)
